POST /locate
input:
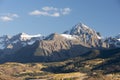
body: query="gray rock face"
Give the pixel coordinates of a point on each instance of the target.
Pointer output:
(56, 47)
(113, 41)
(18, 41)
(87, 35)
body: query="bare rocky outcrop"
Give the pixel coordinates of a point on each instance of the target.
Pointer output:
(88, 36)
(57, 47)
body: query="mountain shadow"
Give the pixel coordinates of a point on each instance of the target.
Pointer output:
(107, 61)
(27, 54)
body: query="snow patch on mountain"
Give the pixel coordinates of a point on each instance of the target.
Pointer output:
(68, 36)
(24, 36)
(81, 29)
(2, 46)
(118, 39)
(99, 37)
(86, 35)
(15, 41)
(21, 39)
(113, 41)
(31, 42)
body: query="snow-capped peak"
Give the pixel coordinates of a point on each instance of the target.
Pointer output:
(84, 34)
(78, 29)
(21, 39)
(24, 36)
(81, 25)
(81, 29)
(118, 37)
(5, 37)
(113, 41)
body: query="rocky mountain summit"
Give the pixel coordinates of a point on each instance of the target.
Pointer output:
(19, 40)
(113, 41)
(88, 36)
(54, 47)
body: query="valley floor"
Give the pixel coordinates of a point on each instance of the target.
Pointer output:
(18, 71)
(33, 71)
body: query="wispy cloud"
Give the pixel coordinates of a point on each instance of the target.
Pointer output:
(49, 8)
(65, 11)
(8, 17)
(51, 11)
(37, 12)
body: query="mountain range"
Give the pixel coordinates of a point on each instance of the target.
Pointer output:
(79, 40)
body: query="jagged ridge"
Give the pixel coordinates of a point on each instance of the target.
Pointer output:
(76, 41)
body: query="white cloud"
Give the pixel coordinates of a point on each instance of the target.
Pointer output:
(37, 12)
(44, 13)
(55, 14)
(14, 15)
(50, 11)
(49, 8)
(8, 17)
(65, 11)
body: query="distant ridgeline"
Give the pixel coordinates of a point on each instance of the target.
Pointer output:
(55, 47)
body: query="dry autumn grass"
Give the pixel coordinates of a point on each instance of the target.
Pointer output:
(18, 71)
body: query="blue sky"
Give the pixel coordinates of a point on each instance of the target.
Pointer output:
(48, 16)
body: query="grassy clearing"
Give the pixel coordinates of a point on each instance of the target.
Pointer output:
(18, 71)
